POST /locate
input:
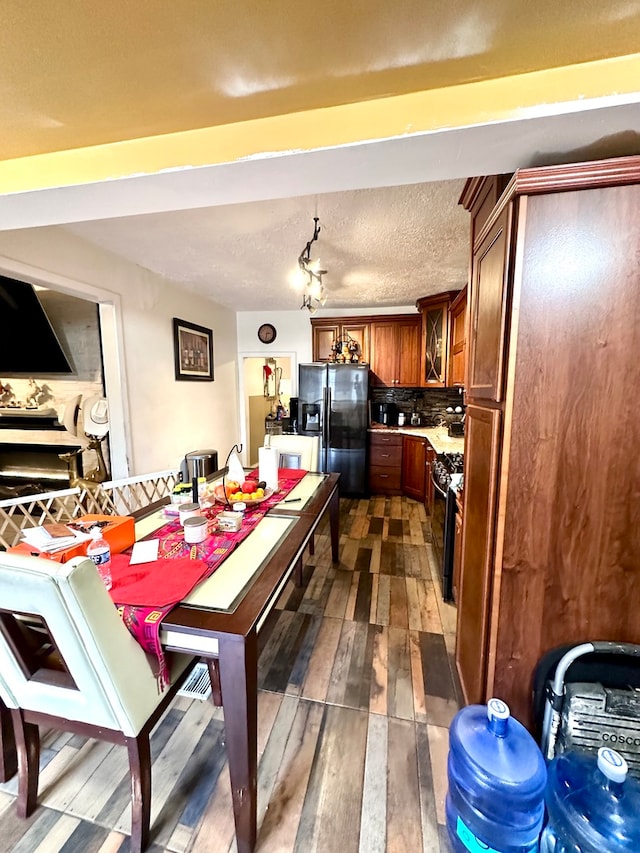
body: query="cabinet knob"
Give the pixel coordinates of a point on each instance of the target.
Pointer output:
(385, 455)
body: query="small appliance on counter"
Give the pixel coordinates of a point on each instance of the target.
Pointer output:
(401, 418)
(384, 413)
(198, 463)
(455, 421)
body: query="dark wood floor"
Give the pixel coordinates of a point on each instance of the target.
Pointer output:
(357, 689)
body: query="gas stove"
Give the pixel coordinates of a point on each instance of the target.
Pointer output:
(445, 466)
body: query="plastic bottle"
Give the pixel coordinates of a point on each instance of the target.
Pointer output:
(593, 806)
(99, 551)
(497, 778)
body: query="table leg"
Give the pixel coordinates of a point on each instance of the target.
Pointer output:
(334, 521)
(8, 754)
(238, 661)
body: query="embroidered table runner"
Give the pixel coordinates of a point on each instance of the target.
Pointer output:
(144, 593)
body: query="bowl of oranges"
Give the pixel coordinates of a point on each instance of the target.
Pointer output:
(250, 492)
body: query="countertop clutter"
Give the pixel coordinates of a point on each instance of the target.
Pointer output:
(438, 437)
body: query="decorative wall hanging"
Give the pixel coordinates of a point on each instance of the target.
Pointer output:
(193, 351)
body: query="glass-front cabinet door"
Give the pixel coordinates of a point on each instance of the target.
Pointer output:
(435, 338)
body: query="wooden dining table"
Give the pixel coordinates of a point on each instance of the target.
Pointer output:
(221, 619)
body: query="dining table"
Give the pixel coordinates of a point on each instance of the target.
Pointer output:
(220, 620)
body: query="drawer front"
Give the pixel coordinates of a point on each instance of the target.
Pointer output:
(385, 439)
(382, 480)
(386, 456)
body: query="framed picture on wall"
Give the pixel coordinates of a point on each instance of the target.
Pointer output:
(193, 351)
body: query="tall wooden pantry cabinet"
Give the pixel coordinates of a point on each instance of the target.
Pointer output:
(551, 534)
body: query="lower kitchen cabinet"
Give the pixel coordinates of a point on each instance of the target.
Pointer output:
(429, 489)
(385, 463)
(414, 466)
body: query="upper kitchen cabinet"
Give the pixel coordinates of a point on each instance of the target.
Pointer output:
(480, 196)
(327, 331)
(395, 350)
(457, 339)
(489, 296)
(434, 311)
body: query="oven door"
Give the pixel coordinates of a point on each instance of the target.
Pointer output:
(443, 526)
(437, 523)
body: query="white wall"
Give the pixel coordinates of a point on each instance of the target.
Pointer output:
(161, 418)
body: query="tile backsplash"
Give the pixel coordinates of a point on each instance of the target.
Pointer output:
(428, 402)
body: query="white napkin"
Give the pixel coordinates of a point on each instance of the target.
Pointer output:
(236, 471)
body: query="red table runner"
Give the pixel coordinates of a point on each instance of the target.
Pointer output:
(145, 592)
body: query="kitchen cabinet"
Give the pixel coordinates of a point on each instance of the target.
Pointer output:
(434, 350)
(457, 339)
(385, 463)
(489, 295)
(395, 351)
(429, 492)
(414, 466)
(549, 549)
(326, 331)
(480, 196)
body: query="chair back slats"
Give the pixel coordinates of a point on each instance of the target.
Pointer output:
(116, 497)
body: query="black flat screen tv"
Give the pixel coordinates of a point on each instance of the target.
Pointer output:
(28, 342)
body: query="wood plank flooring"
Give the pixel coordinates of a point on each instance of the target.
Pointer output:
(357, 690)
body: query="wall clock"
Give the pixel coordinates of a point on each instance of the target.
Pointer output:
(267, 333)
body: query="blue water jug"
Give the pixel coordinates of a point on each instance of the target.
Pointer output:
(497, 778)
(592, 805)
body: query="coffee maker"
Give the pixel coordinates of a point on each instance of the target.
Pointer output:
(384, 413)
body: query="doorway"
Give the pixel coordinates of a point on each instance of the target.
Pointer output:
(267, 392)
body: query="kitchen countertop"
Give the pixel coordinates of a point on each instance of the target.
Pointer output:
(438, 437)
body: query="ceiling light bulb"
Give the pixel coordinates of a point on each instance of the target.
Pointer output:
(298, 279)
(316, 289)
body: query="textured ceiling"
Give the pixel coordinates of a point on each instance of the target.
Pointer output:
(381, 247)
(198, 139)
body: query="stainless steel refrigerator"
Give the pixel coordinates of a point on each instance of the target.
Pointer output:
(332, 404)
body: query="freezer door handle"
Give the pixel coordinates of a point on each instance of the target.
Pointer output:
(327, 415)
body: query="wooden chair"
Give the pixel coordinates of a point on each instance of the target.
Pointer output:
(68, 662)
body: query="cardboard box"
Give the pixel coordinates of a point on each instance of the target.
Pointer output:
(120, 533)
